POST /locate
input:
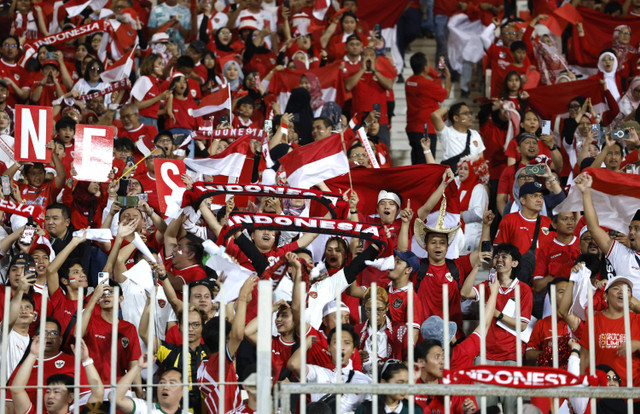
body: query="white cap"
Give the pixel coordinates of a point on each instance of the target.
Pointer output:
(160, 37)
(617, 279)
(331, 307)
(389, 195)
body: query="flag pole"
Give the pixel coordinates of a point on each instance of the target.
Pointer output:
(136, 164)
(230, 103)
(344, 148)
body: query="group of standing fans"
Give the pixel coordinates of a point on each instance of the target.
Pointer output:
(508, 175)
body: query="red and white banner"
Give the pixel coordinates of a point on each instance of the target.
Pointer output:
(598, 30)
(25, 210)
(121, 69)
(217, 101)
(228, 133)
(515, 377)
(31, 47)
(229, 162)
(93, 152)
(169, 184)
(75, 7)
(553, 100)
(34, 129)
(320, 8)
(117, 86)
(330, 77)
(385, 12)
(310, 164)
(616, 197)
(367, 147)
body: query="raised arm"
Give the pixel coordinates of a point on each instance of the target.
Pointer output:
(403, 235)
(124, 403)
(21, 400)
(294, 361)
(567, 300)
(466, 291)
(172, 297)
(123, 231)
(490, 307)
(87, 313)
(434, 198)
(601, 237)
(436, 118)
(119, 267)
(93, 378)
(53, 281)
(239, 320)
(16, 300)
(143, 329)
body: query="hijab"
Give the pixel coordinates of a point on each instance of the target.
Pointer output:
(622, 50)
(627, 104)
(233, 84)
(221, 46)
(610, 77)
(300, 103)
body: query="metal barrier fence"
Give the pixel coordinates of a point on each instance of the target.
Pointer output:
(277, 398)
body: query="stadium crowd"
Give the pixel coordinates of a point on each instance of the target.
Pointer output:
(538, 189)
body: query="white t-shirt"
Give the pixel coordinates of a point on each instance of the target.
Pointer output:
(16, 348)
(140, 407)
(453, 142)
(623, 261)
(133, 305)
(321, 293)
(84, 87)
(263, 18)
(348, 402)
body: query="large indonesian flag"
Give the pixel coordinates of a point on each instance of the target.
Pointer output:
(330, 78)
(598, 30)
(385, 12)
(217, 101)
(229, 162)
(616, 197)
(310, 164)
(120, 69)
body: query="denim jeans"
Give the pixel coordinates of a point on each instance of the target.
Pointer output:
(442, 34)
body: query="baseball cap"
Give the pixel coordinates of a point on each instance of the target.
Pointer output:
(332, 307)
(160, 37)
(353, 37)
(22, 258)
(525, 135)
(51, 62)
(531, 188)
(617, 279)
(433, 328)
(409, 257)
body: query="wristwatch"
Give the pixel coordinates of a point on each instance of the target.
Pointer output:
(499, 318)
(555, 147)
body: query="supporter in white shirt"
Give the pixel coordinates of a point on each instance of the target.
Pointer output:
(18, 340)
(322, 375)
(454, 137)
(263, 18)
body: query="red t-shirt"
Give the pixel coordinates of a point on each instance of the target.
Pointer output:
(149, 185)
(19, 76)
(319, 353)
(281, 351)
(98, 339)
(209, 375)
(430, 290)
(63, 307)
(542, 335)
(609, 335)
(146, 133)
(41, 196)
(501, 344)
(512, 150)
(398, 306)
(423, 97)
(182, 111)
(557, 259)
(188, 274)
(517, 230)
(368, 92)
(494, 138)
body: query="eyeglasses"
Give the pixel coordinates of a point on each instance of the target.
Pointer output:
(587, 239)
(613, 378)
(574, 106)
(607, 59)
(94, 68)
(11, 45)
(510, 33)
(51, 333)
(465, 113)
(354, 155)
(625, 33)
(195, 325)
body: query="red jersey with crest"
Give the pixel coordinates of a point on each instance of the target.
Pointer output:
(209, 375)
(398, 306)
(319, 353)
(281, 351)
(557, 259)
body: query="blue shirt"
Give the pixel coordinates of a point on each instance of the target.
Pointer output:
(162, 13)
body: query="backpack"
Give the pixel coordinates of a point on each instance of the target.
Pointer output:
(424, 266)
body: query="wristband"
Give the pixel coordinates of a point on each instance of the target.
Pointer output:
(499, 318)
(353, 212)
(427, 151)
(163, 278)
(554, 148)
(87, 362)
(577, 351)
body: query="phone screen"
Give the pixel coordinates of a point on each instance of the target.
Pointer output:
(546, 127)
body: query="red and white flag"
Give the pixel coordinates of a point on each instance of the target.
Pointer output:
(310, 164)
(121, 68)
(616, 198)
(320, 8)
(75, 7)
(330, 77)
(553, 100)
(229, 162)
(217, 101)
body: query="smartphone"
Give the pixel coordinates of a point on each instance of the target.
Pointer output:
(286, 3)
(629, 169)
(486, 246)
(143, 196)
(613, 233)
(546, 127)
(130, 161)
(6, 185)
(378, 30)
(376, 107)
(441, 63)
(234, 6)
(28, 234)
(268, 126)
(535, 169)
(128, 201)
(295, 118)
(595, 128)
(102, 276)
(224, 118)
(492, 275)
(619, 134)
(426, 129)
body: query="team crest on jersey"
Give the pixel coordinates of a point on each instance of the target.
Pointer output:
(59, 364)
(16, 76)
(162, 303)
(545, 230)
(125, 342)
(502, 55)
(313, 295)
(397, 303)
(449, 277)
(193, 94)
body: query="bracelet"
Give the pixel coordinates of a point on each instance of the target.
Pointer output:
(353, 212)
(554, 148)
(577, 351)
(163, 278)
(427, 151)
(499, 318)
(87, 362)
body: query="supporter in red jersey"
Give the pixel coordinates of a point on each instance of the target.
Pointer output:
(145, 91)
(406, 263)
(244, 113)
(133, 129)
(560, 255)
(208, 373)
(97, 330)
(424, 92)
(147, 177)
(183, 257)
(59, 392)
(519, 228)
(55, 363)
(180, 105)
(12, 73)
(46, 90)
(501, 346)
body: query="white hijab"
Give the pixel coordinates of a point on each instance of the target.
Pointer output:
(610, 77)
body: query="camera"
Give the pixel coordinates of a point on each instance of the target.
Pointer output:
(536, 169)
(620, 133)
